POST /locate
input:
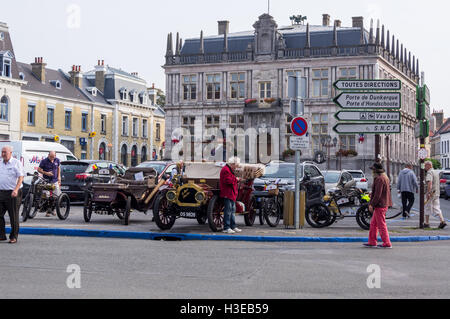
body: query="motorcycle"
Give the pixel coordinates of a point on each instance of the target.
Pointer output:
(41, 198)
(342, 202)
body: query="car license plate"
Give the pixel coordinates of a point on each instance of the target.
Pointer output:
(343, 201)
(188, 214)
(64, 188)
(104, 172)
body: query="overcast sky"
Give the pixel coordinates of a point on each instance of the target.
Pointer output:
(132, 34)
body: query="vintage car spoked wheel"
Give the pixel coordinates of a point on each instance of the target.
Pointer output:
(127, 212)
(250, 217)
(215, 214)
(87, 210)
(63, 206)
(161, 213)
(363, 217)
(27, 207)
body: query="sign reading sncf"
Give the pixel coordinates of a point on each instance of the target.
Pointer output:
(299, 126)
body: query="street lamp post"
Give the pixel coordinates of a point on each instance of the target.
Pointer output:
(328, 143)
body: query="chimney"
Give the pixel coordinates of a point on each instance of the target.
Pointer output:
(75, 76)
(358, 22)
(224, 27)
(38, 69)
(100, 72)
(326, 20)
(439, 116)
(338, 23)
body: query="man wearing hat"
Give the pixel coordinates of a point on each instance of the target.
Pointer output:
(229, 186)
(380, 201)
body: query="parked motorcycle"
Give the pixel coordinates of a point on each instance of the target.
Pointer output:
(341, 202)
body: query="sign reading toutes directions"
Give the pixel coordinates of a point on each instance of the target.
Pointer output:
(360, 100)
(368, 108)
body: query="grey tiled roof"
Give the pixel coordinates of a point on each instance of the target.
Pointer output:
(33, 84)
(6, 45)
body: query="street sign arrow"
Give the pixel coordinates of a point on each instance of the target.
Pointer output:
(385, 116)
(368, 85)
(361, 100)
(368, 128)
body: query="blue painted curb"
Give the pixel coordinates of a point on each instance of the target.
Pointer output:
(167, 236)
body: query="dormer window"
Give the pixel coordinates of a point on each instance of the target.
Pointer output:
(2, 36)
(56, 84)
(22, 76)
(94, 92)
(5, 63)
(133, 96)
(6, 67)
(123, 94)
(143, 98)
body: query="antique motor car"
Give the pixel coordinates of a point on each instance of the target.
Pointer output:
(135, 190)
(41, 198)
(196, 195)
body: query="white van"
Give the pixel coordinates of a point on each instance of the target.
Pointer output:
(31, 153)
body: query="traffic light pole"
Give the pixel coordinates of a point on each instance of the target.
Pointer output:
(422, 187)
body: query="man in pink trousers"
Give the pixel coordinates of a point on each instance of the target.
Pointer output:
(379, 204)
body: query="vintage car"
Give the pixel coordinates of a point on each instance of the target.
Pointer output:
(135, 190)
(196, 195)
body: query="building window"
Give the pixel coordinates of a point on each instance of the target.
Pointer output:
(125, 126)
(189, 123)
(124, 155)
(265, 90)
(143, 154)
(135, 127)
(237, 85)
(31, 114)
(7, 68)
(319, 129)
(236, 121)
(102, 152)
(123, 94)
(68, 120)
(189, 87)
(50, 117)
(84, 122)
(4, 106)
(134, 156)
(347, 142)
(212, 121)
(69, 144)
(213, 87)
(21, 76)
(347, 73)
(158, 131)
(144, 128)
(103, 124)
(320, 83)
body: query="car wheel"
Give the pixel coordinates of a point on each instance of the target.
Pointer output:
(162, 214)
(215, 214)
(63, 206)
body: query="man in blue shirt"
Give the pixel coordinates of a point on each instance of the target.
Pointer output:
(50, 168)
(12, 173)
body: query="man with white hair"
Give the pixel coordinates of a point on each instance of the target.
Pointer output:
(12, 174)
(432, 197)
(229, 187)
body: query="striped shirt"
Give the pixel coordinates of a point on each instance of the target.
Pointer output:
(10, 173)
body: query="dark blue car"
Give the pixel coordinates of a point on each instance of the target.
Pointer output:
(447, 190)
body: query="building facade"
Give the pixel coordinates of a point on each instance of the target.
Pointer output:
(10, 88)
(241, 80)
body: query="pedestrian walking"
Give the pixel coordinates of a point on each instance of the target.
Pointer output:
(50, 168)
(229, 186)
(407, 185)
(380, 201)
(432, 197)
(12, 173)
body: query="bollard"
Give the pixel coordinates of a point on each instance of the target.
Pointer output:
(288, 209)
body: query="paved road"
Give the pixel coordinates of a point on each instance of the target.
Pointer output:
(445, 206)
(111, 268)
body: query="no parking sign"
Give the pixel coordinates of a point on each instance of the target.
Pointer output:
(299, 126)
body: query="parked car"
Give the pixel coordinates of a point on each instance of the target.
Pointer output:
(447, 190)
(360, 179)
(31, 153)
(76, 175)
(335, 178)
(162, 167)
(445, 177)
(310, 177)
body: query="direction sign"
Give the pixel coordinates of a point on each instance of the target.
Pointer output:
(368, 128)
(298, 143)
(358, 100)
(299, 126)
(368, 85)
(368, 116)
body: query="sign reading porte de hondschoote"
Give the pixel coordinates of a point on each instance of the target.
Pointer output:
(363, 100)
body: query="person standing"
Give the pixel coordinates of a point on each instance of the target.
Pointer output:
(432, 197)
(380, 201)
(50, 168)
(229, 187)
(407, 185)
(12, 173)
